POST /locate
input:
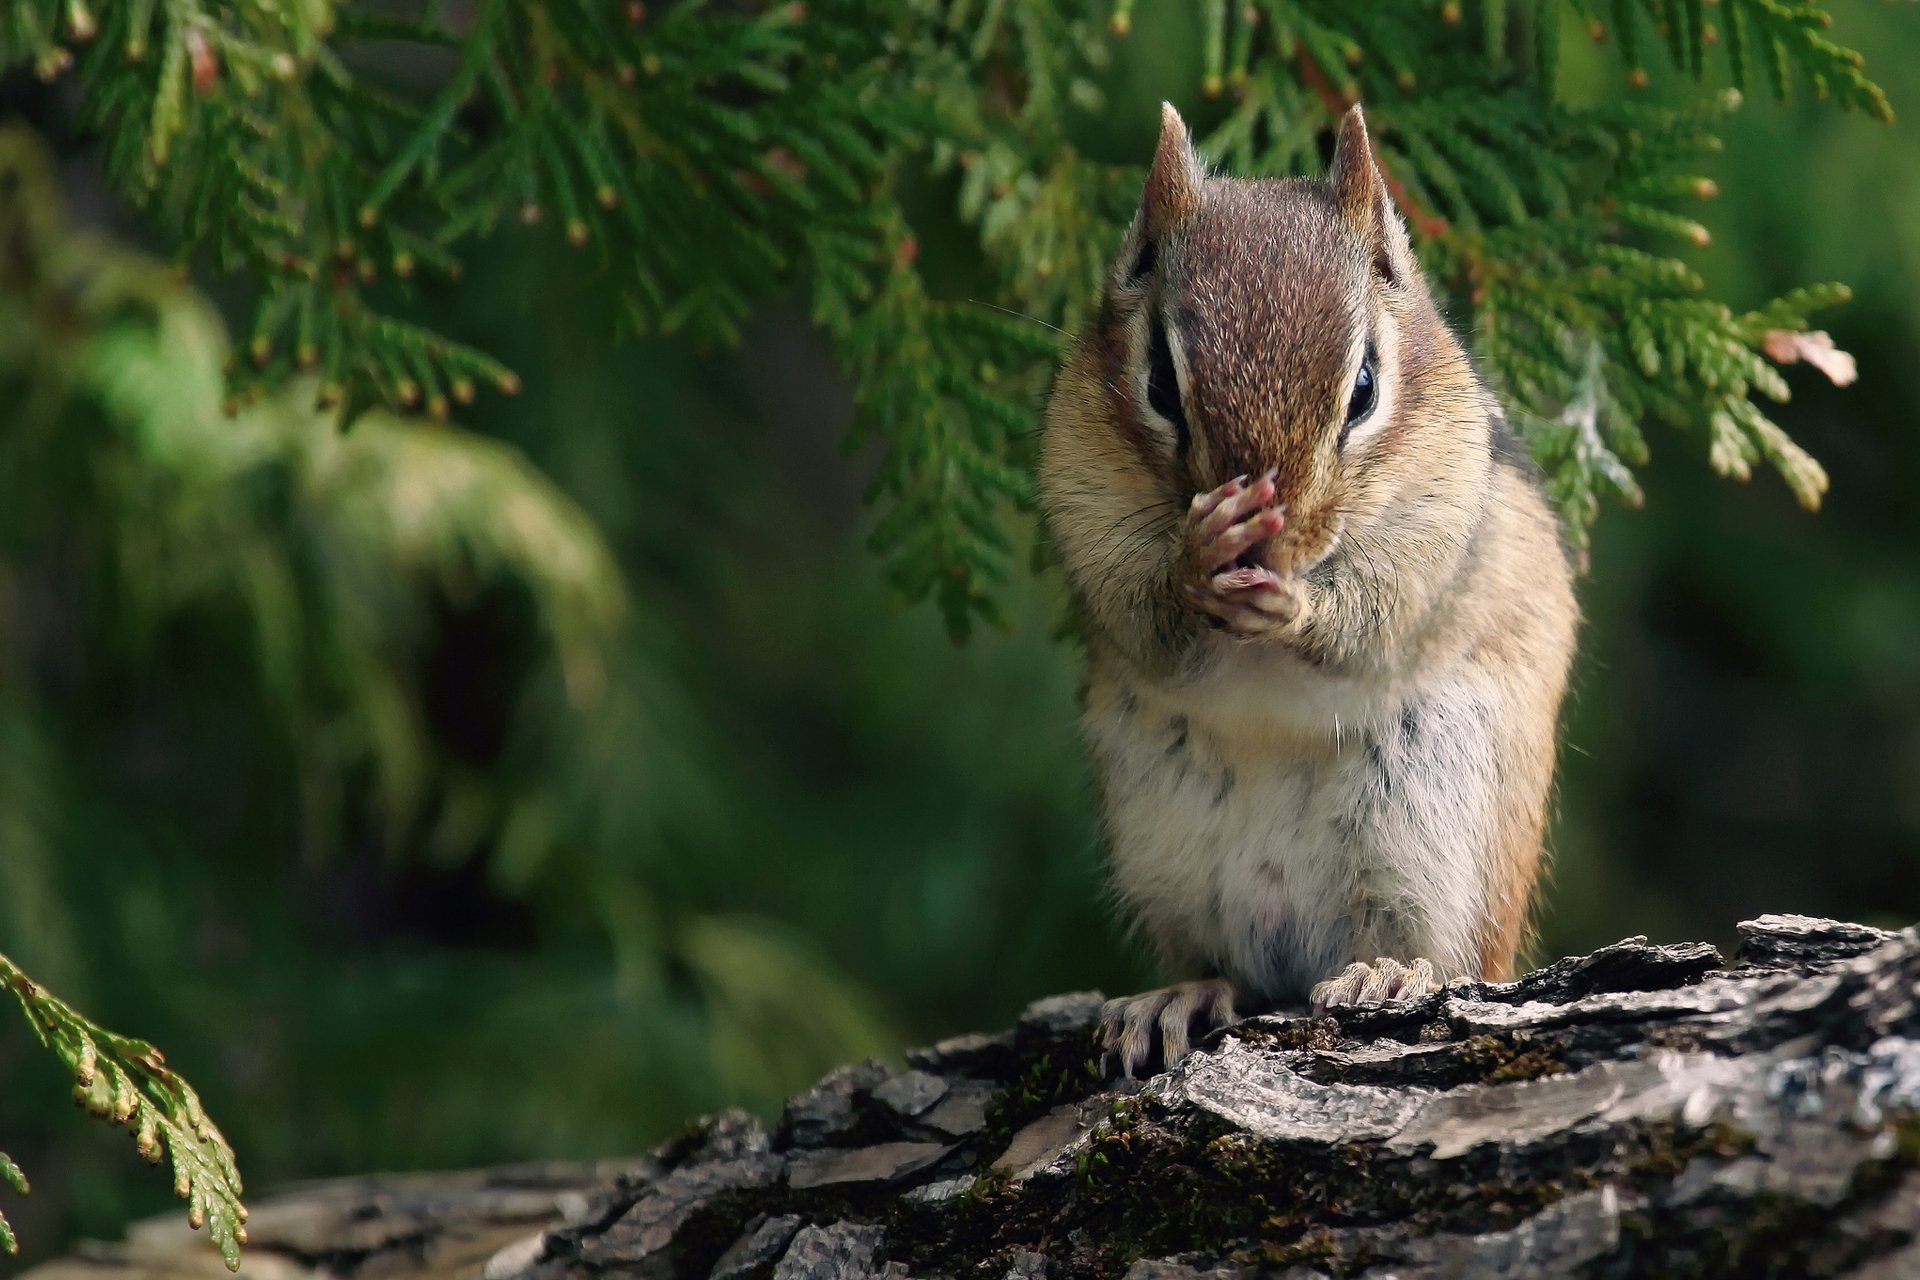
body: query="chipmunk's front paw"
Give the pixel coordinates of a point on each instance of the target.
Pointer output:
(1376, 983)
(1132, 1028)
(1220, 578)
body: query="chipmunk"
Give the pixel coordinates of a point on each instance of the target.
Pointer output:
(1327, 613)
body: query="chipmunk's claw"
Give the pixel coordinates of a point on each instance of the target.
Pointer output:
(1377, 983)
(1135, 1030)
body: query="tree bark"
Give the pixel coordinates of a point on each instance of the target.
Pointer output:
(1639, 1111)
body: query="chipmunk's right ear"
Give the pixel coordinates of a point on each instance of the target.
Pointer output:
(1171, 196)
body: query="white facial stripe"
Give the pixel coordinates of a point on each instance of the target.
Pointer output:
(1140, 339)
(1386, 364)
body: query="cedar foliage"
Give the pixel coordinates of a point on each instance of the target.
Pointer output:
(705, 156)
(127, 1082)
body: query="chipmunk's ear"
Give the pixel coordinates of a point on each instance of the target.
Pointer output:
(1171, 196)
(1172, 193)
(1360, 190)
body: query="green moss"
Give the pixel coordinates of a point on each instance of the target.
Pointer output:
(1766, 1235)
(1051, 1073)
(1661, 1149)
(1681, 1037)
(1314, 1248)
(1300, 1033)
(1502, 1060)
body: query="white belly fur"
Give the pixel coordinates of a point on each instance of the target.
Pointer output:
(1257, 840)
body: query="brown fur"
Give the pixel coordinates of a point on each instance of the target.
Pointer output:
(1425, 564)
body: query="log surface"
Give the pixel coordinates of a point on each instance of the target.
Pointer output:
(1641, 1111)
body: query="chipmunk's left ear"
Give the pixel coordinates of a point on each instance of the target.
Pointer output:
(1360, 189)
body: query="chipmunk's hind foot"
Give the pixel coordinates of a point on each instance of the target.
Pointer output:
(1378, 983)
(1160, 1026)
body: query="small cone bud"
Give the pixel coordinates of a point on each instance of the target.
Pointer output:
(50, 64)
(205, 66)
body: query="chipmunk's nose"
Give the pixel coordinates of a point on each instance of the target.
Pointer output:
(1307, 539)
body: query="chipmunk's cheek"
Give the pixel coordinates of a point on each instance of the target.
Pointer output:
(1318, 566)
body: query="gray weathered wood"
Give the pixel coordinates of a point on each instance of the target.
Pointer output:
(1639, 1111)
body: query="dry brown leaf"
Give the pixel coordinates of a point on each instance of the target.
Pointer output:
(1789, 346)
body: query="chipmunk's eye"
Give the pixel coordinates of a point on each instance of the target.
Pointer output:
(1163, 384)
(1360, 403)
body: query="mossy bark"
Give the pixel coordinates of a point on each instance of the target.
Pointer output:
(1641, 1111)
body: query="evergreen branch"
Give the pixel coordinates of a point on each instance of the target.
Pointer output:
(708, 156)
(929, 378)
(1787, 36)
(127, 1082)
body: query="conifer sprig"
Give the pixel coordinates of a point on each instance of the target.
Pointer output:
(128, 1082)
(708, 156)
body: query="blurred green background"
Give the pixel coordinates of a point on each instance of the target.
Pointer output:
(786, 823)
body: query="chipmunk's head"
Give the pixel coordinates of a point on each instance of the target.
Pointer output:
(1279, 324)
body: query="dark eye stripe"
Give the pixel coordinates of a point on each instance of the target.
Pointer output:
(1163, 384)
(1143, 265)
(1365, 391)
